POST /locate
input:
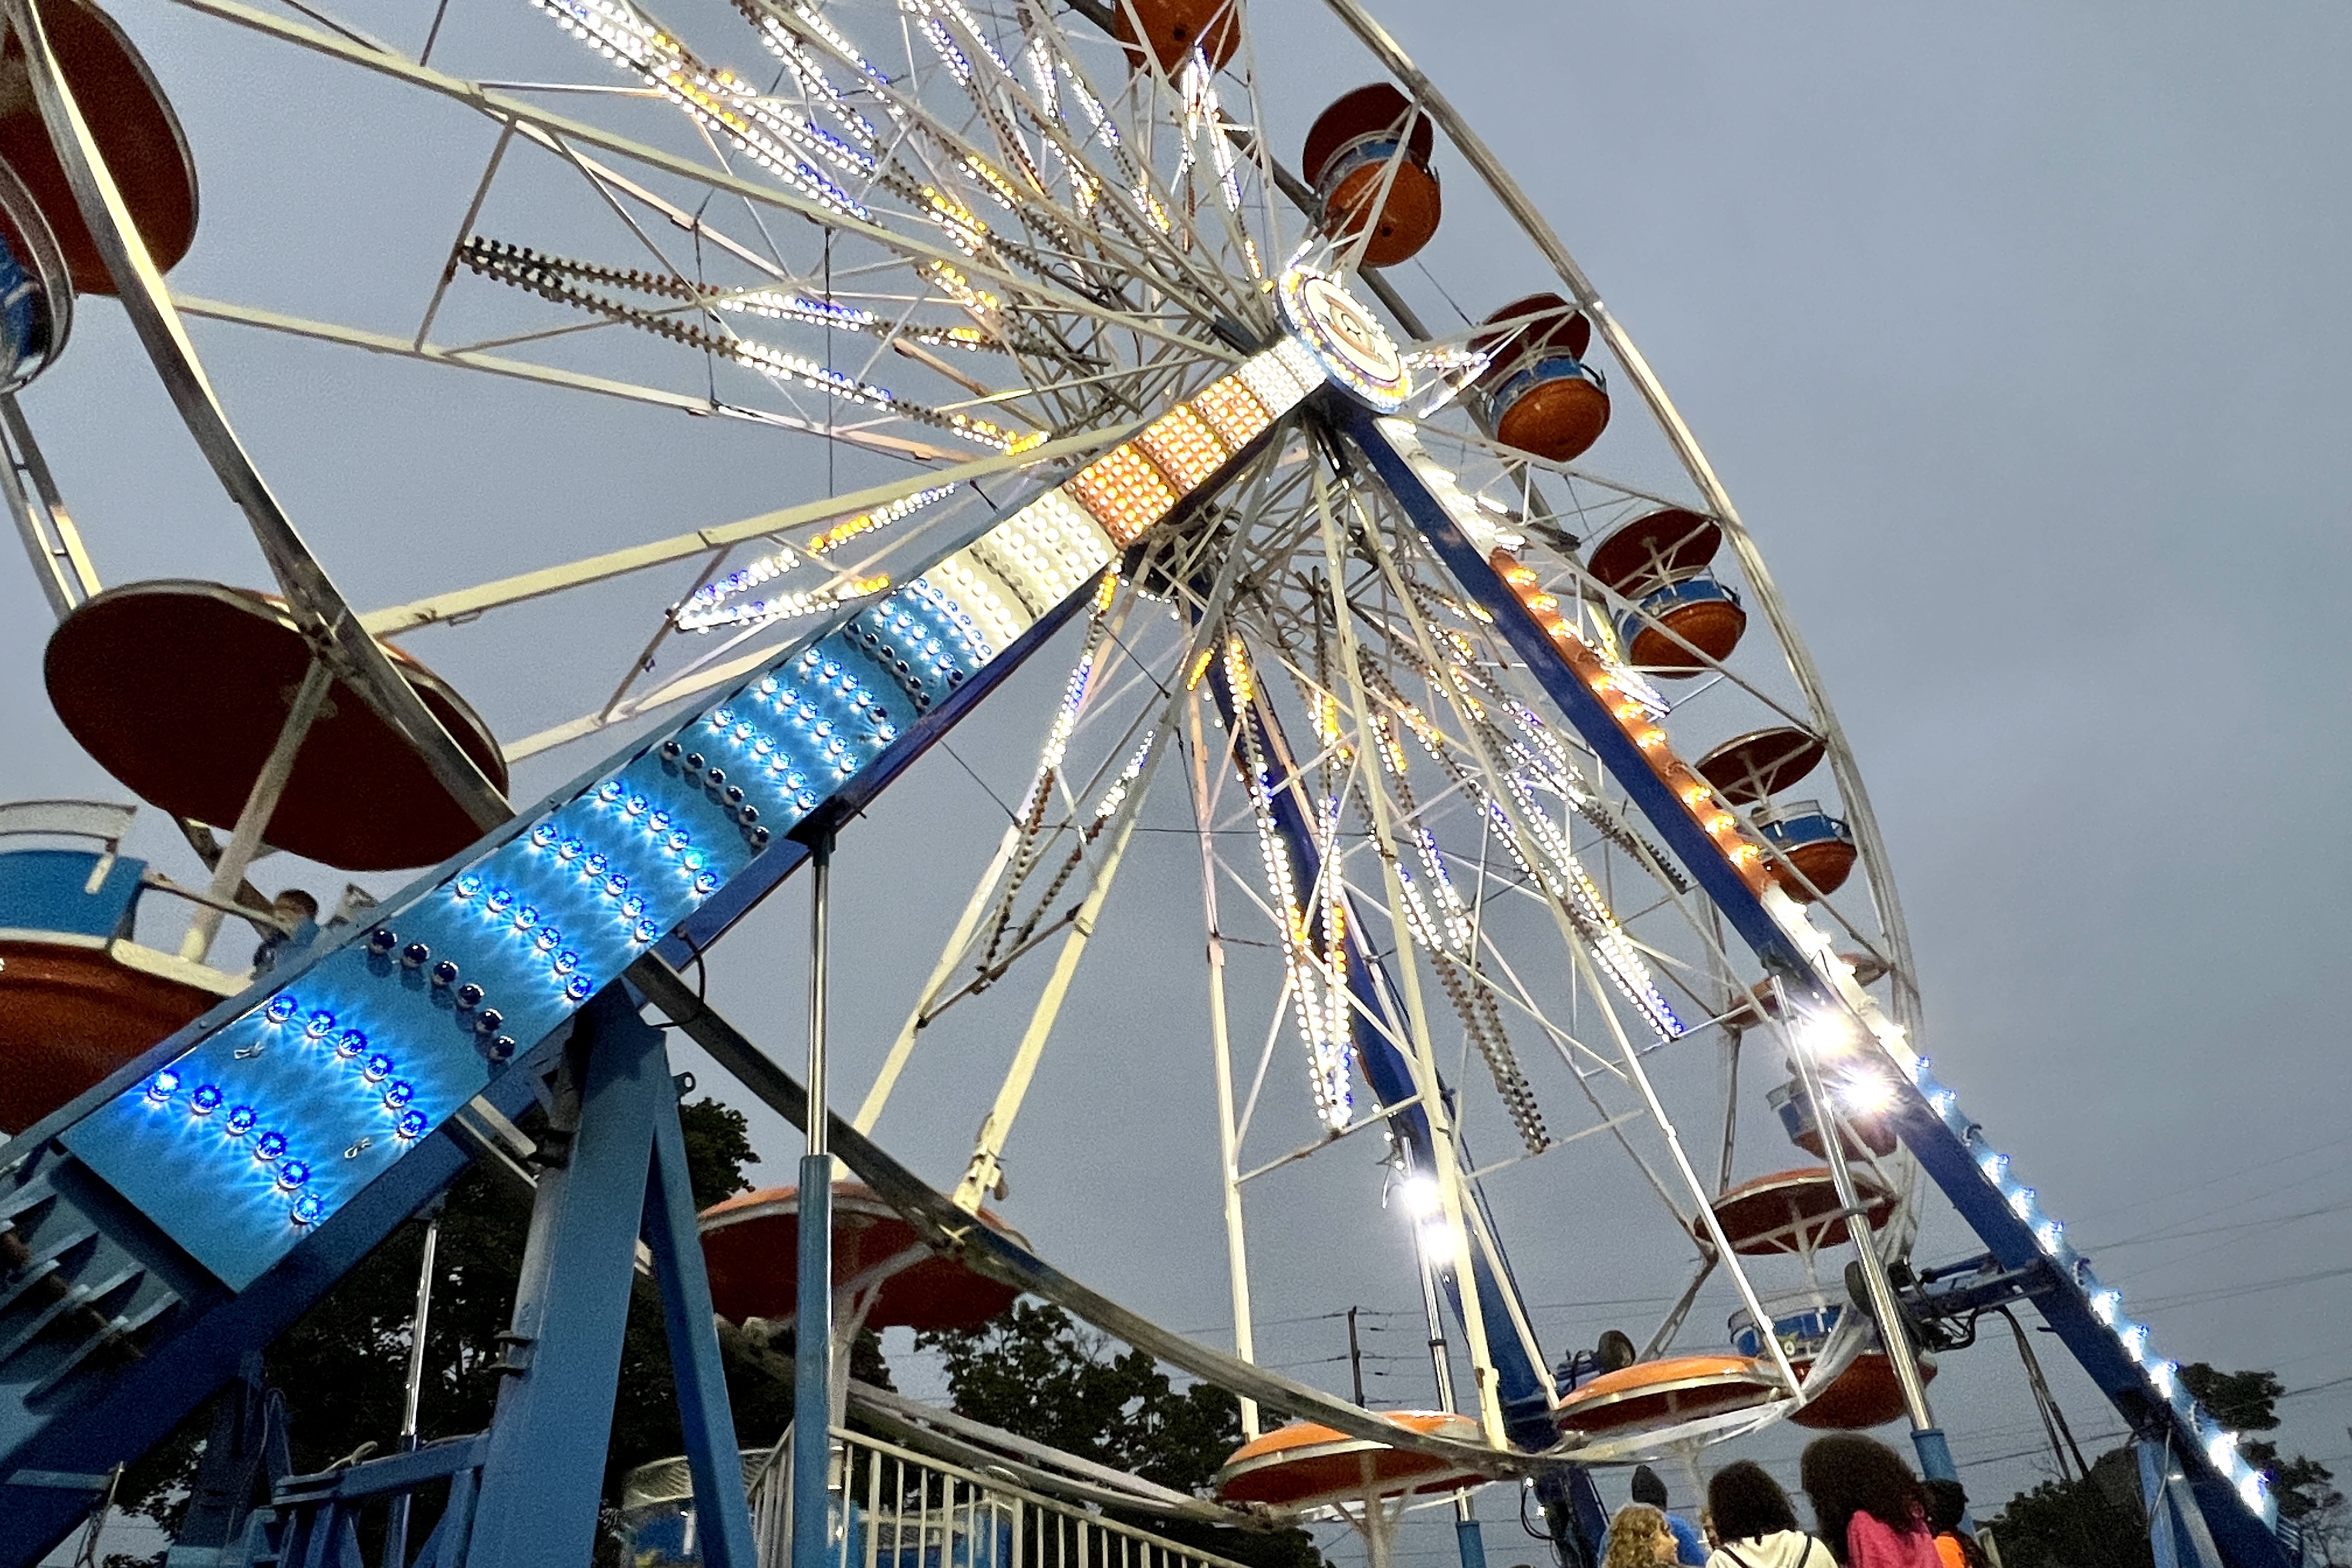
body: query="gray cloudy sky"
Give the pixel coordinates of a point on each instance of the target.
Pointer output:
(2016, 331)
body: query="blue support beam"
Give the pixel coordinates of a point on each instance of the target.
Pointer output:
(1927, 1115)
(713, 1457)
(543, 1471)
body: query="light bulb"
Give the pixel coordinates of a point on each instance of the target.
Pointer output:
(1421, 1198)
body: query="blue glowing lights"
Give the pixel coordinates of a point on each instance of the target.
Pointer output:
(539, 920)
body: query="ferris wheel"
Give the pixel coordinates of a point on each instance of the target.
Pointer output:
(1427, 612)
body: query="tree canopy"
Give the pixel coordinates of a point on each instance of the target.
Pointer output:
(1036, 1372)
(2098, 1522)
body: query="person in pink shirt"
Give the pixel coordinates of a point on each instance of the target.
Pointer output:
(1868, 1506)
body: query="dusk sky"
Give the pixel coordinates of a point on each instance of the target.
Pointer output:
(2017, 332)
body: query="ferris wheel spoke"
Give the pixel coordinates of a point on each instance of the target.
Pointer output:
(1577, 905)
(465, 604)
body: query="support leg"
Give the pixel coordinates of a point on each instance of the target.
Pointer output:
(261, 806)
(812, 1440)
(544, 1472)
(722, 1518)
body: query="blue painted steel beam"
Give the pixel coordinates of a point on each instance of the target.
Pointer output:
(713, 1452)
(1949, 1147)
(543, 1471)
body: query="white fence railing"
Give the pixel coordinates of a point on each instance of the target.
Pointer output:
(892, 1508)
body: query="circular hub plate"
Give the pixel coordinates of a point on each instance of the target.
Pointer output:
(1347, 340)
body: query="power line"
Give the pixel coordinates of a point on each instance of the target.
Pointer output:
(2232, 1292)
(2235, 1227)
(2215, 1180)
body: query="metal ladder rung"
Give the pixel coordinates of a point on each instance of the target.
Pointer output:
(80, 1296)
(114, 1333)
(46, 1264)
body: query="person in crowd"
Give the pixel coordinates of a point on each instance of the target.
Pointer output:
(1869, 1509)
(1755, 1525)
(1948, 1504)
(296, 913)
(1690, 1546)
(1638, 1538)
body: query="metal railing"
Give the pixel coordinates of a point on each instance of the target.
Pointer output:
(892, 1508)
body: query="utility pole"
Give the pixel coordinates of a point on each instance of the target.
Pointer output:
(1355, 1358)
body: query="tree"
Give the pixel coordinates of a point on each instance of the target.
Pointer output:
(2099, 1522)
(2248, 1402)
(342, 1368)
(2093, 1522)
(1034, 1373)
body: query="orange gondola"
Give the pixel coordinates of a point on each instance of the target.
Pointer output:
(1542, 396)
(1865, 1394)
(1654, 549)
(1819, 847)
(1307, 1465)
(1681, 616)
(136, 132)
(1175, 28)
(179, 690)
(1652, 1395)
(1794, 1212)
(1352, 152)
(36, 292)
(1749, 769)
(751, 1245)
(78, 996)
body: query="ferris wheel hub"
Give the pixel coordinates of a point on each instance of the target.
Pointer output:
(1346, 340)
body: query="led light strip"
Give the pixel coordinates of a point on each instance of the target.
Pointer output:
(2217, 1444)
(707, 607)
(1318, 989)
(724, 103)
(375, 1042)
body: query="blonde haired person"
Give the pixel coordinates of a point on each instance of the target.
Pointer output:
(1638, 1538)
